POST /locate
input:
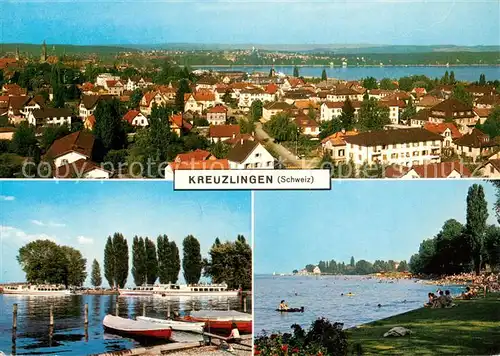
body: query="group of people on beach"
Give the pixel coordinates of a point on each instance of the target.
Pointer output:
(441, 300)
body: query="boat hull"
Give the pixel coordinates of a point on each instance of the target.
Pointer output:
(40, 293)
(191, 294)
(176, 325)
(135, 329)
(244, 326)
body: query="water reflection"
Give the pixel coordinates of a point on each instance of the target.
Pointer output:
(69, 333)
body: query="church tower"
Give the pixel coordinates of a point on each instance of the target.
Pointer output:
(43, 56)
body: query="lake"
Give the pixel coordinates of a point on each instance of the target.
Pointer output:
(466, 73)
(69, 334)
(321, 297)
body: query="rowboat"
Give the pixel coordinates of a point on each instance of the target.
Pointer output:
(175, 324)
(136, 328)
(222, 321)
(291, 310)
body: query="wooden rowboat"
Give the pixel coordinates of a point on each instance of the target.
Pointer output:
(222, 321)
(136, 328)
(176, 325)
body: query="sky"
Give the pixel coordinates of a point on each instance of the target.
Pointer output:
(392, 22)
(83, 214)
(371, 219)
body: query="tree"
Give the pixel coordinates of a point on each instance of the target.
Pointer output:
(352, 263)
(76, 266)
(247, 126)
(95, 275)
(179, 96)
(151, 261)
(370, 83)
(372, 116)
(138, 261)
(109, 263)
(330, 127)
(168, 260)
(492, 247)
(402, 267)
(120, 260)
(406, 84)
(445, 79)
(462, 95)
(492, 124)
(281, 128)
(135, 99)
(43, 261)
(219, 149)
(59, 95)
(387, 84)
(409, 112)
(231, 263)
(175, 265)
(256, 110)
(452, 77)
(477, 214)
(52, 133)
(191, 261)
(323, 75)
(109, 129)
(24, 141)
(310, 268)
(363, 267)
(347, 115)
(296, 72)
(482, 79)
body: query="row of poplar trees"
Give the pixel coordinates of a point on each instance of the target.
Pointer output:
(150, 261)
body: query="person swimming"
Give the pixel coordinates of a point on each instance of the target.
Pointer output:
(283, 305)
(379, 305)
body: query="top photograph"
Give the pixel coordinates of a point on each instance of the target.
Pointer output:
(141, 89)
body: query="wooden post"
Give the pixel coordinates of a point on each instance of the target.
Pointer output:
(228, 305)
(245, 304)
(143, 309)
(192, 306)
(14, 317)
(86, 321)
(168, 309)
(51, 318)
(116, 308)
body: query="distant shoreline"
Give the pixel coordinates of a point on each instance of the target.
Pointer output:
(338, 66)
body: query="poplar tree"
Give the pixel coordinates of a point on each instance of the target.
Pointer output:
(95, 275)
(191, 261)
(138, 261)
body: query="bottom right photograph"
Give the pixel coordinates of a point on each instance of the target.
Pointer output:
(378, 267)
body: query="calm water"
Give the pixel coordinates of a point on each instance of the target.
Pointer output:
(69, 335)
(467, 73)
(321, 298)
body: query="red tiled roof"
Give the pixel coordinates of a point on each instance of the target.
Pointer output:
(179, 121)
(210, 164)
(441, 128)
(91, 121)
(396, 171)
(271, 88)
(223, 130)
(131, 115)
(198, 155)
(217, 109)
(80, 141)
(239, 137)
(337, 139)
(482, 112)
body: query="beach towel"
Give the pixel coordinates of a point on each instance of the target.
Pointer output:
(398, 331)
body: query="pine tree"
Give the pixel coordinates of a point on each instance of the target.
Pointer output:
(323, 75)
(138, 261)
(191, 261)
(347, 116)
(109, 263)
(452, 77)
(296, 72)
(109, 129)
(151, 261)
(179, 96)
(95, 276)
(482, 79)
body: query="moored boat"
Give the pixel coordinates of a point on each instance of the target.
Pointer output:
(176, 325)
(222, 321)
(180, 290)
(38, 289)
(136, 328)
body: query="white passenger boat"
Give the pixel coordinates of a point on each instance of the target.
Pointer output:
(163, 290)
(176, 325)
(38, 289)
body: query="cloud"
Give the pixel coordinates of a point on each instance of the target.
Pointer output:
(7, 198)
(82, 240)
(51, 224)
(10, 232)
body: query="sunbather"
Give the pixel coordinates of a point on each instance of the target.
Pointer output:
(439, 302)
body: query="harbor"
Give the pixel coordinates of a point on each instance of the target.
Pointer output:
(59, 324)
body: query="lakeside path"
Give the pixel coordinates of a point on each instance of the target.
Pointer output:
(470, 328)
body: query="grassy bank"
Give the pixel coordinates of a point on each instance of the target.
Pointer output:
(471, 328)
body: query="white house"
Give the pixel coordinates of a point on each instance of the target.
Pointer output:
(50, 116)
(136, 118)
(103, 78)
(341, 94)
(274, 108)
(405, 147)
(217, 115)
(248, 96)
(249, 154)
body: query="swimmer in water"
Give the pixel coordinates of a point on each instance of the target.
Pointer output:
(379, 305)
(341, 294)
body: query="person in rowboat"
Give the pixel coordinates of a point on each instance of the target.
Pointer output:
(283, 305)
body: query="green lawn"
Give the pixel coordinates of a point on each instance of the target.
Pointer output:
(471, 328)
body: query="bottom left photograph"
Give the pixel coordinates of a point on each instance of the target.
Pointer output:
(127, 267)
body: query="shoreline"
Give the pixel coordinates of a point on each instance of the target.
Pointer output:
(339, 66)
